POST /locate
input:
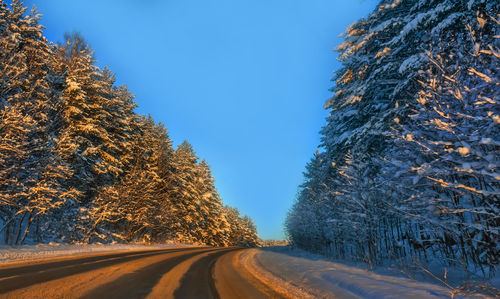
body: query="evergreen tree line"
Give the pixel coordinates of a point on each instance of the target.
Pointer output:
(77, 164)
(409, 165)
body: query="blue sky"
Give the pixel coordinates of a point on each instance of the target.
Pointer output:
(243, 81)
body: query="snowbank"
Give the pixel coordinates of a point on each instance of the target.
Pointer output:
(326, 279)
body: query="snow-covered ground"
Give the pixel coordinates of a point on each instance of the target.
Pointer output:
(302, 272)
(47, 251)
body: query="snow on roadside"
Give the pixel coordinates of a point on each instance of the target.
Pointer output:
(28, 253)
(284, 288)
(325, 279)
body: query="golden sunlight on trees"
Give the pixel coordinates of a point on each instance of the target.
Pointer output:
(77, 164)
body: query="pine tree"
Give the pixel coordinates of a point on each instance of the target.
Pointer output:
(410, 155)
(96, 118)
(132, 208)
(213, 225)
(184, 204)
(97, 123)
(451, 133)
(77, 164)
(305, 221)
(242, 230)
(28, 85)
(14, 148)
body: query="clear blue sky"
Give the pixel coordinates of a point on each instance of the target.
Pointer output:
(243, 80)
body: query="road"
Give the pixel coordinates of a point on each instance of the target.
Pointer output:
(166, 273)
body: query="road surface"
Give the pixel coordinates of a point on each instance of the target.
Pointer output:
(166, 273)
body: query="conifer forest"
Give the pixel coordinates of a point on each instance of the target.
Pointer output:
(408, 168)
(78, 165)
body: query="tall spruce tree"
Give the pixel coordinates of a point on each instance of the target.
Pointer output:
(212, 224)
(77, 164)
(96, 118)
(28, 83)
(410, 155)
(242, 230)
(132, 209)
(185, 202)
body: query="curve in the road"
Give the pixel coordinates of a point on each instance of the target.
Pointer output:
(232, 280)
(198, 281)
(172, 273)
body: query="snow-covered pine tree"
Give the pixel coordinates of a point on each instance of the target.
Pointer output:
(251, 238)
(27, 85)
(405, 52)
(14, 148)
(305, 222)
(138, 207)
(242, 230)
(185, 202)
(213, 225)
(96, 118)
(97, 123)
(77, 164)
(451, 132)
(161, 152)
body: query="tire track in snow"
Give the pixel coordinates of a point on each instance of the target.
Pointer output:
(24, 276)
(140, 283)
(173, 273)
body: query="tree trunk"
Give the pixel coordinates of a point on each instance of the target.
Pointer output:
(30, 221)
(7, 233)
(20, 226)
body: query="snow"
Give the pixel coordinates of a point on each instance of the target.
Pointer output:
(414, 23)
(26, 253)
(322, 278)
(384, 25)
(411, 61)
(445, 23)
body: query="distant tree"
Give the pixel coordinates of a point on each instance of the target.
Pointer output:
(184, 204)
(242, 230)
(213, 224)
(305, 221)
(271, 243)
